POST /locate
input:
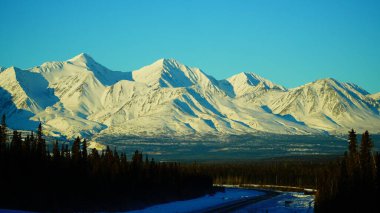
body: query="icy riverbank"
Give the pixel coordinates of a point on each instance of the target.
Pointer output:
(230, 195)
(287, 202)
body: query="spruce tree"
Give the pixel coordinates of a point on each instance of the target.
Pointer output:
(84, 149)
(16, 142)
(352, 143)
(56, 153)
(41, 144)
(67, 152)
(33, 142)
(62, 150)
(75, 150)
(39, 133)
(353, 166)
(26, 145)
(366, 161)
(3, 133)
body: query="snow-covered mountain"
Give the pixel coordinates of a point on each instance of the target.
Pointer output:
(330, 105)
(81, 97)
(247, 83)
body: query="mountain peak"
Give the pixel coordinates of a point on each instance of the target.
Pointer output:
(13, 68)
(326, 80)
(82, 58)
(167, 62)
(168, 72)
(252, 79)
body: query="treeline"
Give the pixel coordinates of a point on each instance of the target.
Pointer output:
(354, 185)
(280, 172)
(74, 178)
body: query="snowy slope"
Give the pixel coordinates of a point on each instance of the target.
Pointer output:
(167, 98)
(28, 90)
(74, 83)
(375, 96)
(172, 74)
(329, 105)
(246, 83)
(23, 94)
(169, 73)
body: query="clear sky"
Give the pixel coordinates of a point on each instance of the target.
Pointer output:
(290, 42)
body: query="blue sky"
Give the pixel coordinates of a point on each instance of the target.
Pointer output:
(290, 42)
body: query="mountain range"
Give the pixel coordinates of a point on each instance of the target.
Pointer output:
(80, 97)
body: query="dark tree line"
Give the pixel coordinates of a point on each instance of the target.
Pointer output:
(71, 177)
(353, 185)
(285, 172)
(74, 178)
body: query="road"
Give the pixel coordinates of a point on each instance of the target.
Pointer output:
(234, 205)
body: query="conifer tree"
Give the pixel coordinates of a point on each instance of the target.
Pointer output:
(108, 157)
(94, 156)
(39, 133)
(33, 142)
(84, 149)
(116, 155)
(115, 163)
(94, 159)
(75, 150)
(62, 150)
(26, 145)
(137, 158)
(366, 161)
(16, 142)
(123, 162)
(56, 153)
(3, 133)
(353, 166)
(67, 152)
(352, 143)
(41, 144)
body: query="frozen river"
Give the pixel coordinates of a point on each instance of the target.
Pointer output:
(296, 202)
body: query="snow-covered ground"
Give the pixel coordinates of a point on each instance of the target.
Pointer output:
(299, 203)
(193, 205)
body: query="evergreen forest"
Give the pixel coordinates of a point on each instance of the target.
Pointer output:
(72, 177)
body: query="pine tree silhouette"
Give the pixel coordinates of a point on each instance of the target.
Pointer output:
(3, 133)
(84, 149)
(367, 163)
(56, 153)
(75, 150)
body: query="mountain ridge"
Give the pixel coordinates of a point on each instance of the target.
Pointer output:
(82, 97)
